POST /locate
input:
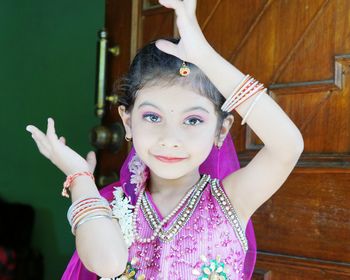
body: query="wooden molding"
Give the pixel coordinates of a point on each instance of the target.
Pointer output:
(336, 85)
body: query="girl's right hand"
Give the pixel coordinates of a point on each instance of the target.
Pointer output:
(56, 150)
(193, 46)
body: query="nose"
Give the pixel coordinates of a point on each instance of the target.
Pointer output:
(170, 138)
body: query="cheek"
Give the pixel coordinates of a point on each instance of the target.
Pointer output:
(201, 142)
(145, 133)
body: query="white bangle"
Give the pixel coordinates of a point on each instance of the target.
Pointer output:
(85, 203)
(89, 218)
(251, 106)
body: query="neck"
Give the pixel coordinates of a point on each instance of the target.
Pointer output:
(158, 185)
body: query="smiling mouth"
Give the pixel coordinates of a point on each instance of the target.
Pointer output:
(169, 159)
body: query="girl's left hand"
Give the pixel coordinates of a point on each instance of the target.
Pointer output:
(192, 45)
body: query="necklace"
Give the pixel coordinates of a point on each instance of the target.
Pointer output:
(194, 192)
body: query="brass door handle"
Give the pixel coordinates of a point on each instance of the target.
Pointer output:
(101, 73)
(108, 137)
(114, 50)
(112, 98)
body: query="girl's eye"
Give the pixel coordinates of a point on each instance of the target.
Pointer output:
(151, 117)
(193, 121)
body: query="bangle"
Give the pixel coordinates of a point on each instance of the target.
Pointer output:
(83, 206)
(88, 211)
(90, 214)
(80, 203)
(88, 208)
(70, 179)
(251, 106)
(247, 88)
(88, 218)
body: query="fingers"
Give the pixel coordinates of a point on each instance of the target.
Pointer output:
(36, 131)
(168, 3)
(40, 140)
(167, 47)
(37, 135)
(91, 160)
(62, 140)
(51, 132)
(45, 141)
(179, 5)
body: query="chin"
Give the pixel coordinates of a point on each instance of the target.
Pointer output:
(168, 173)
(171, 172)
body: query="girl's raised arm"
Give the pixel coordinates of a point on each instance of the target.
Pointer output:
(252, 185)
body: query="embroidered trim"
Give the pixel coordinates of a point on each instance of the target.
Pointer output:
(213, 269)
(122, 211)
(229, 212)
(139, 173)
(183, 216)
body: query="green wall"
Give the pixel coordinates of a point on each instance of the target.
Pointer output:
(47, 69)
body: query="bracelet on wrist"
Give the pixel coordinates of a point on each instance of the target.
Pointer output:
(70, 178)
(245, 89)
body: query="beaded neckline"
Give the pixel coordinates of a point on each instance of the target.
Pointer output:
(182, 218)
(229, 212)
(187, 208)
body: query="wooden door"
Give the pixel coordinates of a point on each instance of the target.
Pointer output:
(300, 49)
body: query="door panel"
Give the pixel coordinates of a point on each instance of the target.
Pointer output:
(300, 49)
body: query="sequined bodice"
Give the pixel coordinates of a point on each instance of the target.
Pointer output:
(203, 241)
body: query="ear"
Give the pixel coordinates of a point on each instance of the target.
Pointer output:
(224, 130)
(126, 118)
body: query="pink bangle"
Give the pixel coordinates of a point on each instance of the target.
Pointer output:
(70, 180)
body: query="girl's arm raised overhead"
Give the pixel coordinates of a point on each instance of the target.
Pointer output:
(252, 185)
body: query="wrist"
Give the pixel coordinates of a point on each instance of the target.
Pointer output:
(77, 170)
(77, 178)
(83, 186)
(82, 180)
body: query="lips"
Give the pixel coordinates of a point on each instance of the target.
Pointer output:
(169, 159)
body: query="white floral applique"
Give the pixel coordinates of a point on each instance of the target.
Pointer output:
(139, 173)
(213, 269)
(129, 273)
(122, 210)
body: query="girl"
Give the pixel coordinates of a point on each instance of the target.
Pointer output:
(182, 207)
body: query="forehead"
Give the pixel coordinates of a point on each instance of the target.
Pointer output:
(173, 98)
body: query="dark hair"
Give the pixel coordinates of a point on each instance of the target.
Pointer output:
(152, 66)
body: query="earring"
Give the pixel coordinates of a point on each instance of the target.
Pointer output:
(128, 139)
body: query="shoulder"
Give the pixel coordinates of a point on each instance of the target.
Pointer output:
(251, 186)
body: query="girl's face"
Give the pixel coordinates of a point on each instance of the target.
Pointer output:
(173, 129)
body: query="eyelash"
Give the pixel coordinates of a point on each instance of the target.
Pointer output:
(148, 117)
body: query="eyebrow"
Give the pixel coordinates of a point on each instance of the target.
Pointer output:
(185, 111)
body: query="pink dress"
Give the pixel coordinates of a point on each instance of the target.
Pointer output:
(204, 240)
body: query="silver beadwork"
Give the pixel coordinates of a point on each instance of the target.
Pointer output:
(223, 200)
(157, 225)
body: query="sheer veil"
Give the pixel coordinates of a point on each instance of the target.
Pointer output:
(220, 163)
